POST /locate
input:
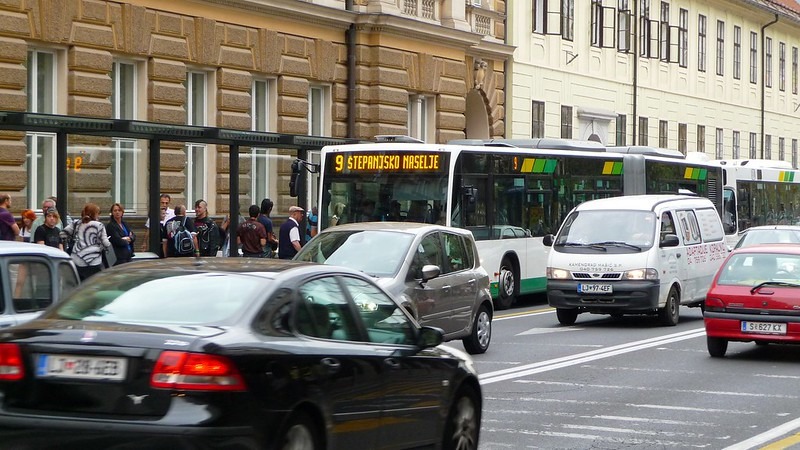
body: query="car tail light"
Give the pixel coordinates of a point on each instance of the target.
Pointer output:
(195, 372)
(11, 363)
(714, 304)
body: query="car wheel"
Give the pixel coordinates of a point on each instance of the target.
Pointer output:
(717, 346)
(567, 316)
(670, 313)
(478, 340)
(463, 422)
(300, 434)
(506, 285)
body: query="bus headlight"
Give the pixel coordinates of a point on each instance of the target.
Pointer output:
(640, 274)
(557, 274)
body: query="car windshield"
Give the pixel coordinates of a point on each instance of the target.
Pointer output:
(752, 269)
(770, 236)
(160, 297)
(621, 231)
(377, 253)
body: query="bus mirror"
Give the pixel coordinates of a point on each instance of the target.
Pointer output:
(295, 176)
(469, 193)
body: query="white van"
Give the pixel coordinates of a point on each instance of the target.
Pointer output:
(639, 254)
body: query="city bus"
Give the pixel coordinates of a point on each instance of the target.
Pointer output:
(758, 192)
(509, 193)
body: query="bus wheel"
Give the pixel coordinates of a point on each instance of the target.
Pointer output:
(506, 286)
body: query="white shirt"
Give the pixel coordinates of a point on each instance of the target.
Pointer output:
(294, 233)
(169, 214)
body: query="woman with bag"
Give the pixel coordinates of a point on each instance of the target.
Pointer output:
(91, 241)
(121, 236)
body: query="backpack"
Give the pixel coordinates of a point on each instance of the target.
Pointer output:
(71, 239)
(182, 241)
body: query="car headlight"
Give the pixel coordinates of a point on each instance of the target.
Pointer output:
(640, 274)
(558, 274)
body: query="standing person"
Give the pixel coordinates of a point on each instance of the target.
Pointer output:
(311, 223)
(181, 235)
(121, 235)
(264, 219)
(91, 241)
(252, 235)
(27, 217)
(208, 233)
(49, 234)
(8, 226)
(168, 214)
(289, 238)
(47, 204)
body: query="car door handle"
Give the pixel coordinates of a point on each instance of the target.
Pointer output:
(332, 364)
(392, 363)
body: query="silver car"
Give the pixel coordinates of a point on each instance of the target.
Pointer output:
(32, 277)
(769, 234)
(434, 271)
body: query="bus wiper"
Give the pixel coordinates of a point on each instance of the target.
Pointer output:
(618, 243)
(581, 244)
(773, 283)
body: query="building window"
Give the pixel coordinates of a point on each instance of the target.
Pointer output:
(794, 153)
(794, 70)
(262, 104)
(767, 146)
(736, 145)
(737, 52)
(318, 107)
(196, 114)
(123, 164)
(719, 145)
(625, 20)
(566, 122)
(720, 47)
(663, 33)
(753, 142)
(701, 43)
(40, 159)
(663, 134)
(643, 130)
(768, 63)
(781, 149)
(682, 140)
(753, 57)
(420, 118)
(537, 119)
(782, 66)
(622, 129)
(701, 138)
(567, 19)
(644, 28)
(683, 38)
(542, 15)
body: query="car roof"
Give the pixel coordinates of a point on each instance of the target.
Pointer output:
(267, 267)
(13, 248)
(773, 227)
(792, 249)
(407, 227)
(644, 202)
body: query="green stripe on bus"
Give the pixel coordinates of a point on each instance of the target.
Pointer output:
(550, 167)
(527, 286)
(617, 170)
(538, 165)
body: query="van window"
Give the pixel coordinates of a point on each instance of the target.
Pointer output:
(710, 226)
(623, 231)
(690, 231)
(31, 287)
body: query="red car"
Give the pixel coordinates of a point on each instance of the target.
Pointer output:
(755, 296)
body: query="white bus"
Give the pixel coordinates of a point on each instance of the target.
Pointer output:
(759, 192)
(509, 197)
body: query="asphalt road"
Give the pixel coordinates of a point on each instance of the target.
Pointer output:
(632, 384)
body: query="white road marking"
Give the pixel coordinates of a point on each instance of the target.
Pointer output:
(547, 331)
(766, 436)
(654, 389)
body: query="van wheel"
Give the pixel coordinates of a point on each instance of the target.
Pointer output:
(478, 340)
(669, 314)
(717, 346)
(506, 285)
(567, 316)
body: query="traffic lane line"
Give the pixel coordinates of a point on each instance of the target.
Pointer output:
(771, 435)
(536, 312)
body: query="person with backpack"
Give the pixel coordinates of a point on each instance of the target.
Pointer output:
(91, 240)
(209, 237)
(181, 235)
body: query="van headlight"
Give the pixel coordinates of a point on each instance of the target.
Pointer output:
(640, 274)
(557, 274)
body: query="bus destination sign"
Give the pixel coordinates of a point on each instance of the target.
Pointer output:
(388, 162)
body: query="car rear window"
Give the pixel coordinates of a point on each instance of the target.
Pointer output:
(750, 269)
(161, 297)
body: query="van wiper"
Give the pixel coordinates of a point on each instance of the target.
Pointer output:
(773, 283)
(619, 244)
(580, 244)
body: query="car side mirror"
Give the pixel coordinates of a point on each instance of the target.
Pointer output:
(430, 337)
(669, 240)
(430, 271)
(547, 240)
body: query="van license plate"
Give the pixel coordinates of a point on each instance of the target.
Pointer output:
(81, 367)
(763, 327)
(594, 288)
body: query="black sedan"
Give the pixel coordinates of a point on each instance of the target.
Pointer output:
(233, 353)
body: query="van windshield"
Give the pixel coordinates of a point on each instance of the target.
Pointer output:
(609, 231)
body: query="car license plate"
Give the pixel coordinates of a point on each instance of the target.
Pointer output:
(763, 327)
(81, 367)
(594, 288)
